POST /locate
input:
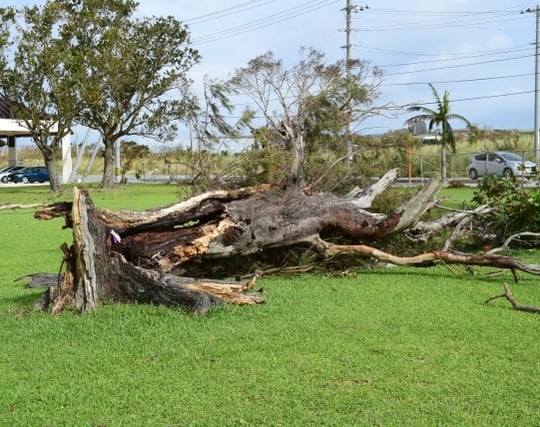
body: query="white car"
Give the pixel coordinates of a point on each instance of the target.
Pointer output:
(500, 163)
(4, 172)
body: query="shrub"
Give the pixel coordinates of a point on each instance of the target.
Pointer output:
(517, 208)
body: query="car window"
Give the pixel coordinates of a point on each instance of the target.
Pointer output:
(480, 157)
(494, 157)
(513, 157)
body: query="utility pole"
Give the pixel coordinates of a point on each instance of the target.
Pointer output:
(536, 84)
(349, 9)
(348, 30)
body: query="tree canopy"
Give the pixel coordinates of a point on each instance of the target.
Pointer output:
(129, 73)
(95, 63)
(34, 78)
(304, 104)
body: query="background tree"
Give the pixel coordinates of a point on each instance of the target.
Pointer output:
(209, 128)
(131, 151)
(129, 73)
(34, 79)
(306, 103)
(440, 117)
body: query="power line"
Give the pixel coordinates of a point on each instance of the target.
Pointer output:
(227, 12)
(409, 12)
(275, 18)
(458, 65)
(478, 79)
(473, 98)
(420, 25)
(457, 56)
(405, 106)
(448, 19)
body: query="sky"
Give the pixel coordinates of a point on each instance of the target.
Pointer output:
(481, 52)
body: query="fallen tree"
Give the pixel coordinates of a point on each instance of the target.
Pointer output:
(146, 256)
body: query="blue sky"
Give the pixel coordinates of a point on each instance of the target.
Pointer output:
(481, 52)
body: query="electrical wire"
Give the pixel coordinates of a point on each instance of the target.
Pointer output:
(455, 57)
(227, 12)
(275, 18)
(459, 65)
(478, 79)
(473, 98)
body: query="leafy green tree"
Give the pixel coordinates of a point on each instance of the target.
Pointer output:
(129, 73)
(131, 152)
(441, 116)
(94, 63)
(34, 79)
(308, 104)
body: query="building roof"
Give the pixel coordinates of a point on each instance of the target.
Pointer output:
(8, 125)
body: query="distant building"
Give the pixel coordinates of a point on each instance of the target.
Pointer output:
(418, 128)
(11, 128)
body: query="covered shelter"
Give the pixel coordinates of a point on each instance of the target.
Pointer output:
(12, 128)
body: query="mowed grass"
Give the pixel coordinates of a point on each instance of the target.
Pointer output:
(399, 346)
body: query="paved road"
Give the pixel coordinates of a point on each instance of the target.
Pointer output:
(13, 185)
(161, 179)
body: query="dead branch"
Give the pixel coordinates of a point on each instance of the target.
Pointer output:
(6, 206)
(425, 229)
(506, 244)
(509, 297)
(41, 280)
(417, 206)
(438, 257)
(363, 198)
(54, 210)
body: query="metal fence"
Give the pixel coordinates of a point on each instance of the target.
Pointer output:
(429, 166)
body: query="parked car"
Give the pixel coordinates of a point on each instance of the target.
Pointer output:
(4, 172)
(500, 163)
(30, 174)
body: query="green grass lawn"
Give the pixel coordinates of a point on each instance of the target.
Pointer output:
(399, 346)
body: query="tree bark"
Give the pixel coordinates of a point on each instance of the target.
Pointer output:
(107, 180)
(54, 181)
(96, 270)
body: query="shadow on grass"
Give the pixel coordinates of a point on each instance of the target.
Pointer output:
(24, 300)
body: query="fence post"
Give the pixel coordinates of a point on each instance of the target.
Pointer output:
(422, 169)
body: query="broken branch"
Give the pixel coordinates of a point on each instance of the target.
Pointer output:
(516, 305)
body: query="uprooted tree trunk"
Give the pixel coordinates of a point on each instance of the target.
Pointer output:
(144, 256)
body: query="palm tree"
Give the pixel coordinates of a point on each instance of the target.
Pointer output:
(441, 116)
